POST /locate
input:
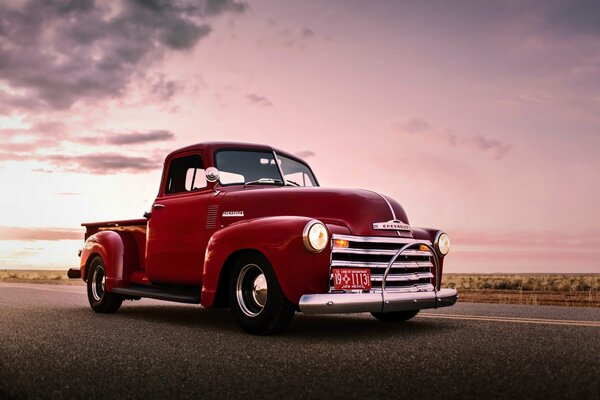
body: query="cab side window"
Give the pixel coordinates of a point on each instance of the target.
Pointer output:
(185, 174)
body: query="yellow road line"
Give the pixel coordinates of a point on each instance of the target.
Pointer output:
(594, 324)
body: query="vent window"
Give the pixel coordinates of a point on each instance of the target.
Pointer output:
(186, 174)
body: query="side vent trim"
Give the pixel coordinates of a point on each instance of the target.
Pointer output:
(211, 216)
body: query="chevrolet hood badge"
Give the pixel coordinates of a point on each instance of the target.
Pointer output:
(392, 225)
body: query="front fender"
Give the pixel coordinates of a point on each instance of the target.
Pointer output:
(430, 234)
(117, 252)
(279, 239)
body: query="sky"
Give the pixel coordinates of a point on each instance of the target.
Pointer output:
(480, 118)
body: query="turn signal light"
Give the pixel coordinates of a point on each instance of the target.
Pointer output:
(341, 243)
(423, 248)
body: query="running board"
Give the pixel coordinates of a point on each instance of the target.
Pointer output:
(186, 295)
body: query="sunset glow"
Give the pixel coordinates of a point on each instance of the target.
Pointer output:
(480, 118)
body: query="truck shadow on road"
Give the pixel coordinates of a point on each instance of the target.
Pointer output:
(346, 326)
(352, 326)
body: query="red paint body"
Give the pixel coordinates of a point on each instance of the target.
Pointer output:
(177, 245)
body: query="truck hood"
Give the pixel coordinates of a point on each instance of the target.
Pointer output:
(355, 209)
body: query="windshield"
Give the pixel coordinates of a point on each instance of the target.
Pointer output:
(248, 167)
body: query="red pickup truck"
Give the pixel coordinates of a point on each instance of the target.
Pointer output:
(246, 226)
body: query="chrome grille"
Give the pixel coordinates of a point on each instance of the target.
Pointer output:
(412, 271)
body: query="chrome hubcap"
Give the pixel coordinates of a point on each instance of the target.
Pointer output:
(251, 290)
(259, 291)
(98, 283)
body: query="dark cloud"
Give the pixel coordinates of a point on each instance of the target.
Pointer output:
(19, 233)
(419, 127)
(214, 7)
(415, 125)
(184, 36)
(573, 17)
(101, 164)
(164, 89)
(259, 100)
(305, 153)
(306, 32)
(97, 163)
(52, 135)
(41, 135)
(497, 148)
(11, 102)
(55, 53)
(140, 137)
(287, 36)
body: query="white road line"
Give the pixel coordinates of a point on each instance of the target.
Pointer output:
(593, 324)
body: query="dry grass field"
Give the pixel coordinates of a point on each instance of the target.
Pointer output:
(536, 289)
(37, 276)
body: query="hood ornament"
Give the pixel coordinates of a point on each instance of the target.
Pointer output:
(392, 225)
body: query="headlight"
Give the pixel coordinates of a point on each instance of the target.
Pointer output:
(315, 236)
(442, 244)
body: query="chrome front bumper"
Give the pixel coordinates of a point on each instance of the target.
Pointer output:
(330, 303)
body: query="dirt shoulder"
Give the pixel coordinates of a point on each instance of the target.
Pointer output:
(533, 289)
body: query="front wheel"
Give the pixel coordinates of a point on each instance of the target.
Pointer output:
(395, 316)
(101, 301)
(257, 302)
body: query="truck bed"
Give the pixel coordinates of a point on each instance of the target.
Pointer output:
(135, 228)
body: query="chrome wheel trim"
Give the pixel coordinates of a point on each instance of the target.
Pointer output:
(251, 290)
(98, 283)
(260, 290)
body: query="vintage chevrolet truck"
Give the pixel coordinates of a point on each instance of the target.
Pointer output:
(247, 226)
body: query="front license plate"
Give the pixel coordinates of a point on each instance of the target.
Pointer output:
(351, 278)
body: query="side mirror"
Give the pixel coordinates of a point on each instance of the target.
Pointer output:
(212, 174)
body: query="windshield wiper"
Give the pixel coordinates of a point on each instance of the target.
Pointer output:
(292, 182)
(264, 181)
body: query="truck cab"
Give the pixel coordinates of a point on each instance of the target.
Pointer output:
(248, 227)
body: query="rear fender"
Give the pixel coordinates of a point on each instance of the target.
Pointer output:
(119, 253)
(279, 239)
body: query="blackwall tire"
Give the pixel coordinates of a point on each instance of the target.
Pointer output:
(100, 300)
(395, 316)
(257, 302)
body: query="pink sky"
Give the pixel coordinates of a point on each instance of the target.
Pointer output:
(480, 118)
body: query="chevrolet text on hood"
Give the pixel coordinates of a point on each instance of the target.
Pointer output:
(248, 227)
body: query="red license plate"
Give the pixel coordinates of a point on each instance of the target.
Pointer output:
(351, 278)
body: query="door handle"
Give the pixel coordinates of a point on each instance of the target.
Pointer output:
(158, 205)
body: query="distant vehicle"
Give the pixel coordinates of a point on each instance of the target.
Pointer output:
(246, 226)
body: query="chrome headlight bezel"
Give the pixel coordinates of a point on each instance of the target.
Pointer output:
(442, 243)
(312, 238)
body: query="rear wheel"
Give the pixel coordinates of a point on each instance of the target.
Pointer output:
(101, 300)
(257, 302)
(395, 316)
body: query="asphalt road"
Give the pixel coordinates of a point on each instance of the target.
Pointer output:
(52, 345)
